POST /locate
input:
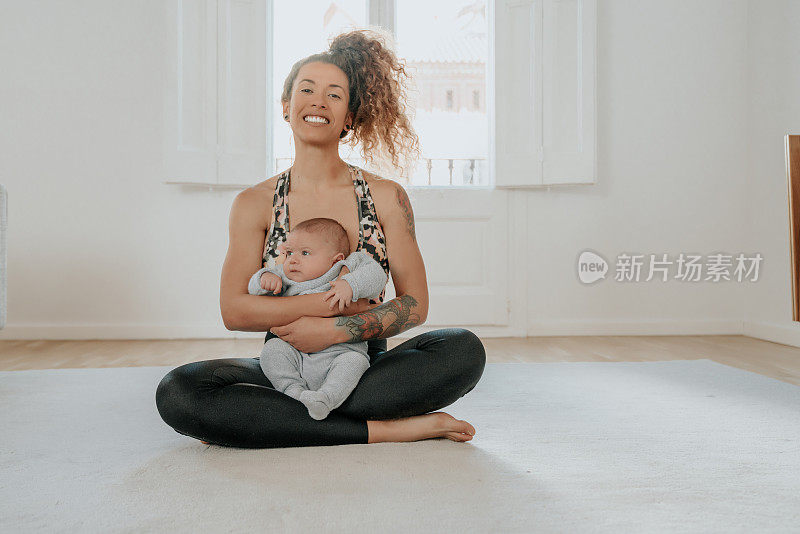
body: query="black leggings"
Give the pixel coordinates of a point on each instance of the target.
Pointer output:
(230, 402)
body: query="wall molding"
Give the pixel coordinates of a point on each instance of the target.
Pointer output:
(214, 331)
(777, 333)
(786, 335)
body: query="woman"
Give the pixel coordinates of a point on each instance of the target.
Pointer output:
(353, 88)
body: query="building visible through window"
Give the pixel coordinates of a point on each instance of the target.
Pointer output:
(445, 45)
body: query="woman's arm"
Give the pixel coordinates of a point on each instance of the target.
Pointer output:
(247, 225)
(410, 307)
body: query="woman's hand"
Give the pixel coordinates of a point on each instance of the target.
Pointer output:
(310, 334)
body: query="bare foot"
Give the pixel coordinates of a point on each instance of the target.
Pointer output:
(430, 425)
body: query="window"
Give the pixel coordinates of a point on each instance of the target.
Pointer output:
(229, 60)
(446, 46)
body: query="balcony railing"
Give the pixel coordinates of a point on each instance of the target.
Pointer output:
(434, 171)
(451, 171)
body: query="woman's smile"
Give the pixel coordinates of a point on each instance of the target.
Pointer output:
(316, 120)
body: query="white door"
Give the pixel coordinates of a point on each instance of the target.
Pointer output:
(463, 237)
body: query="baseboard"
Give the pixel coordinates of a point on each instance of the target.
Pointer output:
(777, 333)
(784, 334)
(106, 331)
(636, 328)
(112, 331)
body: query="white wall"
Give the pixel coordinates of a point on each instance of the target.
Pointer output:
(100, 248)
(672, 169)
(774, 78)
(97, 245)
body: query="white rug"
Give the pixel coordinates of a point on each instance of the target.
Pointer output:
(676, 446)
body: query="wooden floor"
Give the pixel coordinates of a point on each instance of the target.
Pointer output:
(770, 359)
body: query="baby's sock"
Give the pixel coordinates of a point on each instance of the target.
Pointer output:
(316, 402)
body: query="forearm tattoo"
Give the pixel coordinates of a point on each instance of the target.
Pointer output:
(399, 314)
(405, 205)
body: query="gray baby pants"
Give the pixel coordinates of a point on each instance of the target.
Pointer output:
(322, 380)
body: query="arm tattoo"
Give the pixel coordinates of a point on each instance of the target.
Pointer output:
(369, 325)
(405, 205)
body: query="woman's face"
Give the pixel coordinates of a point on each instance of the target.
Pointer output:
(318, 107)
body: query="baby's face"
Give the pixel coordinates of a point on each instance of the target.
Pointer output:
(308, 256)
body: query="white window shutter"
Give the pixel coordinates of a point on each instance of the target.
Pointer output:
(569, 89)
(190, 107)
(216, 100)
(518, 101)
(242, 91)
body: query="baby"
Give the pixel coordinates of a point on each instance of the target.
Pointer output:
(316, 253)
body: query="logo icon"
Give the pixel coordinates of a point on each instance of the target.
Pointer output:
(591, 267)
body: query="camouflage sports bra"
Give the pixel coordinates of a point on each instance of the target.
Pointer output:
(370, 233)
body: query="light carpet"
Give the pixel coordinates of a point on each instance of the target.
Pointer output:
(673, 446)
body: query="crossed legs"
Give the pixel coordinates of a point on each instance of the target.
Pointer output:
(231, 402)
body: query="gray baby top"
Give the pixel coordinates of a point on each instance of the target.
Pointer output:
(366, 277)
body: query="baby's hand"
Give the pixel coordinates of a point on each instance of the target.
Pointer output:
(341, 293)
(271, 282)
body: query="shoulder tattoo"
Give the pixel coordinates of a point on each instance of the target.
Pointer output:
(405, 207)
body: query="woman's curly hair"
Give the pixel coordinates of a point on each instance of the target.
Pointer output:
(378, 95)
